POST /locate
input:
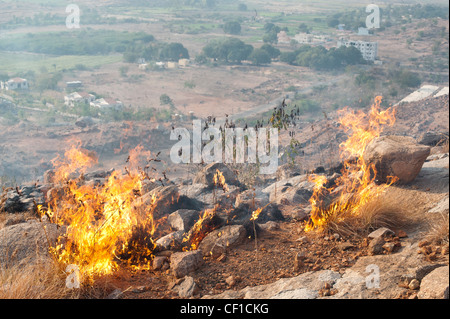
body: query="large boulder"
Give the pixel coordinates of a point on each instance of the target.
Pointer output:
(296, 194)
(27, 242)
(167, 198)
(183, 219)
(435, 284)
(206, 175)
(398, 156)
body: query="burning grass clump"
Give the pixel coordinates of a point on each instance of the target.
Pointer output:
(105, 224)
(356, 187)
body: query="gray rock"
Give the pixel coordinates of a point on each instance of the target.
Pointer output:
(252, 198)
(421, 272)
(301, 293)
(85, 122)
(116, 294)
(187, 288)
(173, 240)
(219, 240)
(158, 262)
(167, 197)
(269, 226)
(194, 190)
(398, 156)
(381, 232)
(433, 138)
(183, 263)
(27, 242)
(376, 246)
(304, 286)
(435, 284)
(183, 219)
(298, 194)
(206, 175)
(290, 182)
(441, 207)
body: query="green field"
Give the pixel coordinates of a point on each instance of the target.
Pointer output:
(24, 62)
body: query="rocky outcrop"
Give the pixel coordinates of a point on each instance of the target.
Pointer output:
(304, 286)
(398, 156)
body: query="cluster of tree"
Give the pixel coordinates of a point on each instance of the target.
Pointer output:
(209, 4)
(232, 50)
(271, 33)
(229, 50)
(232, 27)
(416, 11)
(319, 58)
(390, 15)
(83, 42)
(264, 55)
(90, 16)
(405, 78)
(156, 52)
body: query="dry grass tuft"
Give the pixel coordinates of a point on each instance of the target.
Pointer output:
(33, 281)
(438, 232)
(382, 211)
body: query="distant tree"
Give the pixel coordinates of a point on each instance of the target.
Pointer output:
(270, 27)
(164, 99)
(333, 22)
(303, 27)
(271, 37)
(232, 27)
(272, 51)
(173, 52)
(406, 78)
(228, 50)
(201, 59)
(123, 71)
(288, 57)
(242, 7)
(260, 56)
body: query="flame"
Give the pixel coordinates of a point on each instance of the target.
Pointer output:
(104, 222)
(255, 214)
(219, 181)
(356, 186)
(201, 228)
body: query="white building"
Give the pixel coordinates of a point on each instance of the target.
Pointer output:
(283, 38)
(15, 84)
(183, 62)
(303, 37)
(78, 97)
(369, 50)
(107, 103)
(363, 31)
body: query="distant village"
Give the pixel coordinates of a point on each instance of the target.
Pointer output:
(368, 49)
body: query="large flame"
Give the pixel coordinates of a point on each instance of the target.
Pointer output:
(102, 220)
(356, 186)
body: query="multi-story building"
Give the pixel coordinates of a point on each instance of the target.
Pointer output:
(369, 50)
